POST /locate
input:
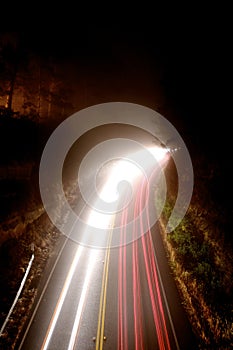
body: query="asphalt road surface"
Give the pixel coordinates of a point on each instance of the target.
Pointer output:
(121, 296)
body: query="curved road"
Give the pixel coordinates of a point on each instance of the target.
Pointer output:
(121, 298)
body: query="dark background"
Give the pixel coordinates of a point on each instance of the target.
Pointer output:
(176, 60)
(183, 50)
(187, 50)
(188, 47)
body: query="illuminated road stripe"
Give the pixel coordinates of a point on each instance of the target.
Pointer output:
(42, 294)
(61, 299)
(102, 308)
(125, 283)
(138, 331)
(150, 283)
(155, 274)
(120, 308)
(156, 269)
(166, 303)
(74, 333)
(122, 296)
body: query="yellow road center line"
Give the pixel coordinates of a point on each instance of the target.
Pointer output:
(102, 308)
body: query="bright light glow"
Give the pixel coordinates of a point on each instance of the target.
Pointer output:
(90, 267)
(122, 170)
(99, 220)
(125, 170)
(159, 153)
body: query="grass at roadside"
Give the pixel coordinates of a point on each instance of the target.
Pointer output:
(203, 270)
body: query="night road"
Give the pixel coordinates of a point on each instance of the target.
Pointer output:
(116, 178)
(120, 296)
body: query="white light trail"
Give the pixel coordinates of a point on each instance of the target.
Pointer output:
(90, 267)
(61, 299)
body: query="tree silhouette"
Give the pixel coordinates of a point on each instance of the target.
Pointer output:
(9, 60)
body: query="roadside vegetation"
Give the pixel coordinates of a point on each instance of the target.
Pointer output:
(23, 222)
(15, 255)
(201, 259)
(200, 249)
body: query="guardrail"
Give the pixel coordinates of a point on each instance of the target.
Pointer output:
(17, 295)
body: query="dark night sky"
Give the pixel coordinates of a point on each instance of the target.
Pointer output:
(191, 49)
(188, 46)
